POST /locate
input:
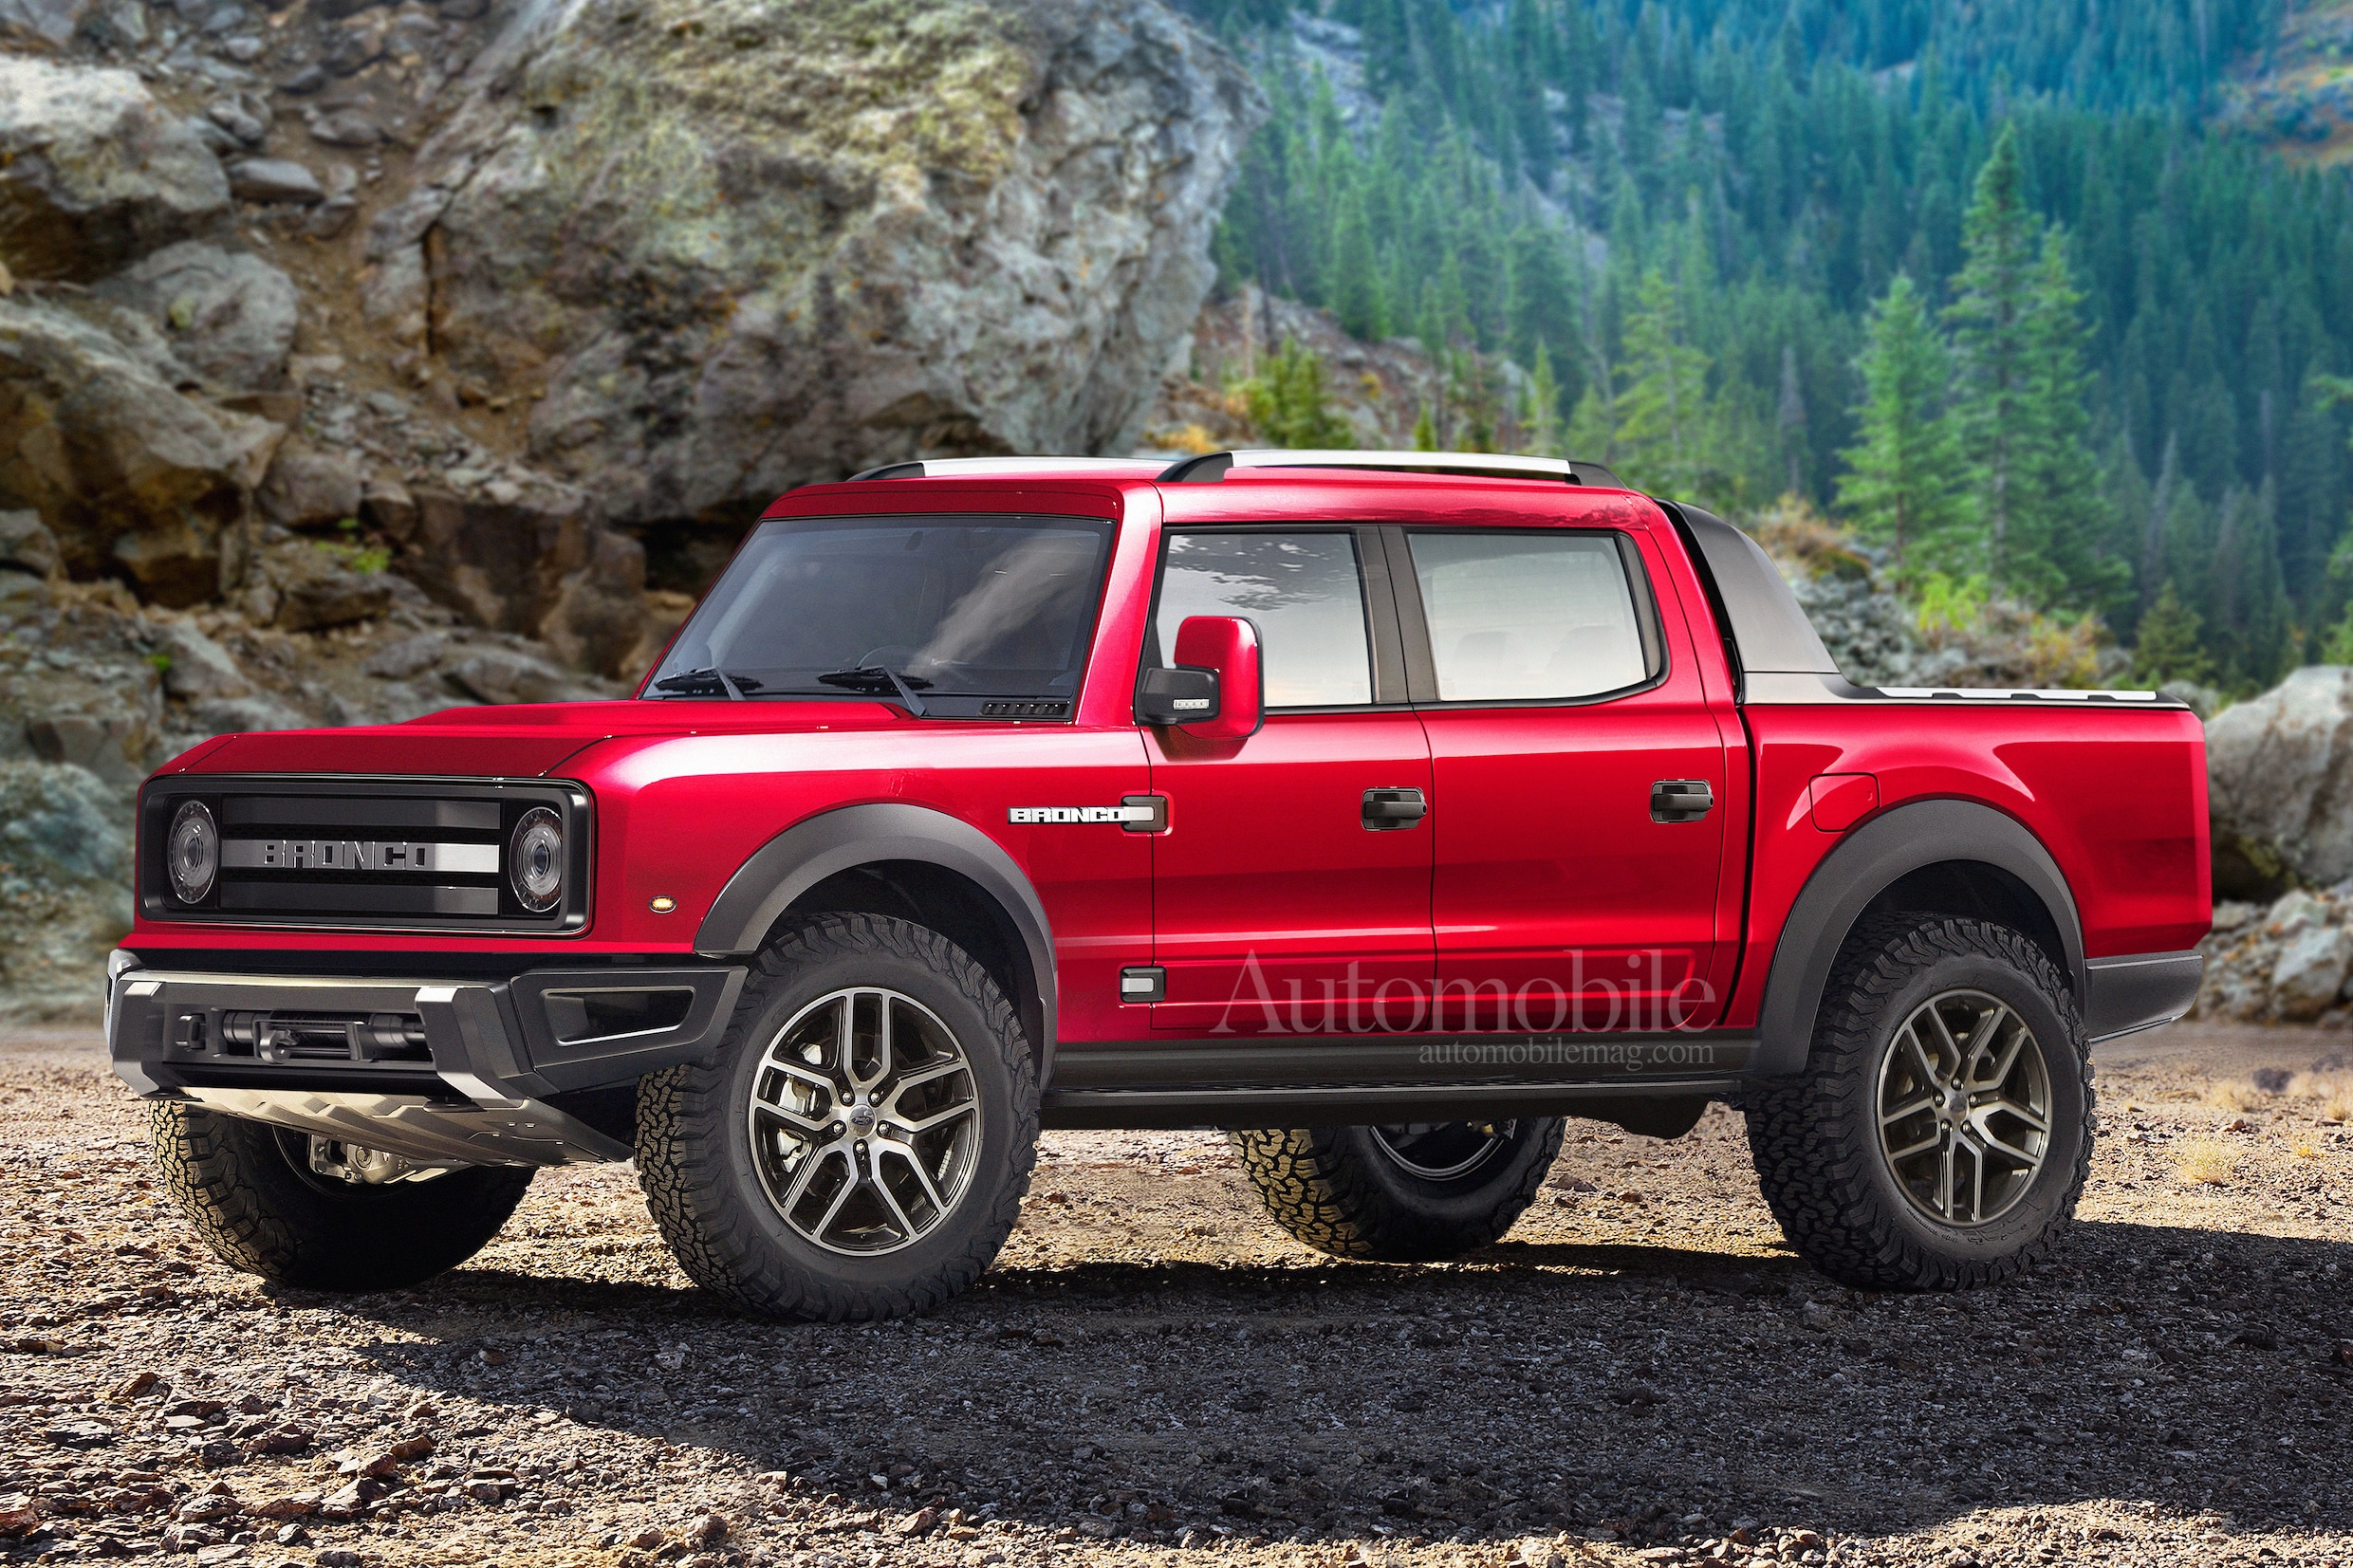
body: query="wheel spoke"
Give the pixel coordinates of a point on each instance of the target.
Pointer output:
(1944, 1182)
(1911, 1108)
(833, 1209)
(1986, 1136)
(846, 1038)
(800, 1072)
(890, 1200)
(1913, 1149)
(924, 1177)
(806, 1127)
(912, 1125)
(920, 1075)
(2035, 1120)
(801, 1178)
(2009, 1059)
(1919, 1055)
(1952, 1048)
(1980, 1039)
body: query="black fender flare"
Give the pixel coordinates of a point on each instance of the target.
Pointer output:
(804, 854)
(1872, 859)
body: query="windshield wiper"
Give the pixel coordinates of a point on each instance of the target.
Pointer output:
(684, 684)
(865, 677)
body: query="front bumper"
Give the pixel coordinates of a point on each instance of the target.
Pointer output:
(436, 1071)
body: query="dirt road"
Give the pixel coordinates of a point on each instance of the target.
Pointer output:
(1154, 1374)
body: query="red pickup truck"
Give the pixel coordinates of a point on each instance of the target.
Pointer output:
(1383, 808)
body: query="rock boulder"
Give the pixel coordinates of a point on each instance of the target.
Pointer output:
(742, 245)
(305, 486)
(538, 567)
(2309, 972)
(93, 173)
(135, 479)
(231, 317)
(2280, 784)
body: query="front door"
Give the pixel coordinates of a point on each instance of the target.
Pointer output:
(1291, 891)
(1580, 806)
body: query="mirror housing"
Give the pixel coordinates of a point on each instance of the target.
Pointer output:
(1177, 696)
(1227, 645)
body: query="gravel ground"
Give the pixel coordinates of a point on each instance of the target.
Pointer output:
(1154, 1374)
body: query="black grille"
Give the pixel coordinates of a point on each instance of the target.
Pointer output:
(363, 854)
(1043, 710)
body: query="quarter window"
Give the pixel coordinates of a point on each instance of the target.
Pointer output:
(1528, 616)
(1305, 592)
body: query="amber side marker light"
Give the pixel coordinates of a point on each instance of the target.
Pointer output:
(662, 905)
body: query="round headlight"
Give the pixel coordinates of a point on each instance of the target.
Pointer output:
(535, 859)
(193, 852)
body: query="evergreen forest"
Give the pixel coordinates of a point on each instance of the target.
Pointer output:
(1997, 286)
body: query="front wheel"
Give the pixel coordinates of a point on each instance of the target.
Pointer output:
(1941, 1132)
(860, 1146)
(1406, 1192)
(304, 1212)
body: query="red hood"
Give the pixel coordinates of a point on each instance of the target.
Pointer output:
(523, 740)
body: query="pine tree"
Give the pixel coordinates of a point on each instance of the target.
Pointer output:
(1790, 420)
(2167, 647)
(1544, 407)
(1905, 483)
(1425, 431)
(1664, 417)
(2060, 513)
(1355, 284)
(1989, 313)
(1289, 404)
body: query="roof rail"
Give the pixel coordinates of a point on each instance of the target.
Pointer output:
(933, 468)
(1211, 466)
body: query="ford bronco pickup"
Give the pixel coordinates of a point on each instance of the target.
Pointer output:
(1383, 809)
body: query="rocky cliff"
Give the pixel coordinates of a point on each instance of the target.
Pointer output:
(357, 359)
(722, 249)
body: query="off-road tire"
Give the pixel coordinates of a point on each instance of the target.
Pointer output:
(1339, 1190)
(1815, 1137)
(248, 1188)
(694, 1154)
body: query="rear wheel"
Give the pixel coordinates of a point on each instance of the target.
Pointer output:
(329, 1216)
(1940, 1134)
(1404, 1193)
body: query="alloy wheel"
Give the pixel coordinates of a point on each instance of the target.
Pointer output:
(1964, 1107)
(865, 1123)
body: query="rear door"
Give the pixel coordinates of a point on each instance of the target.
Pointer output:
(1579, 792)
(1281, 904)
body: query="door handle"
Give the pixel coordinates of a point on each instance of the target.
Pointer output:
(1680, 800)
(1387, 810)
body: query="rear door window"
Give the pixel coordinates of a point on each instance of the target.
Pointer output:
(1532, 616)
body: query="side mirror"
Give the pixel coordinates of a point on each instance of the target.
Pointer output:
(1227, 646)
(1177, 696)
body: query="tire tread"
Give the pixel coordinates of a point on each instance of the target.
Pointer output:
(683, 1113)
(1812, 1147)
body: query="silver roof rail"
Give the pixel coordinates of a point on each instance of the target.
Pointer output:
(936, 468)
(1211, 466)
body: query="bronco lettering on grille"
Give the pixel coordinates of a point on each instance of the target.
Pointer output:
(356, 854)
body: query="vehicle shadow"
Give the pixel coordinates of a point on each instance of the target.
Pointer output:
(1533, 1388)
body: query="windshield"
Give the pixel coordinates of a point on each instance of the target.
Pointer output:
(906, 610)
